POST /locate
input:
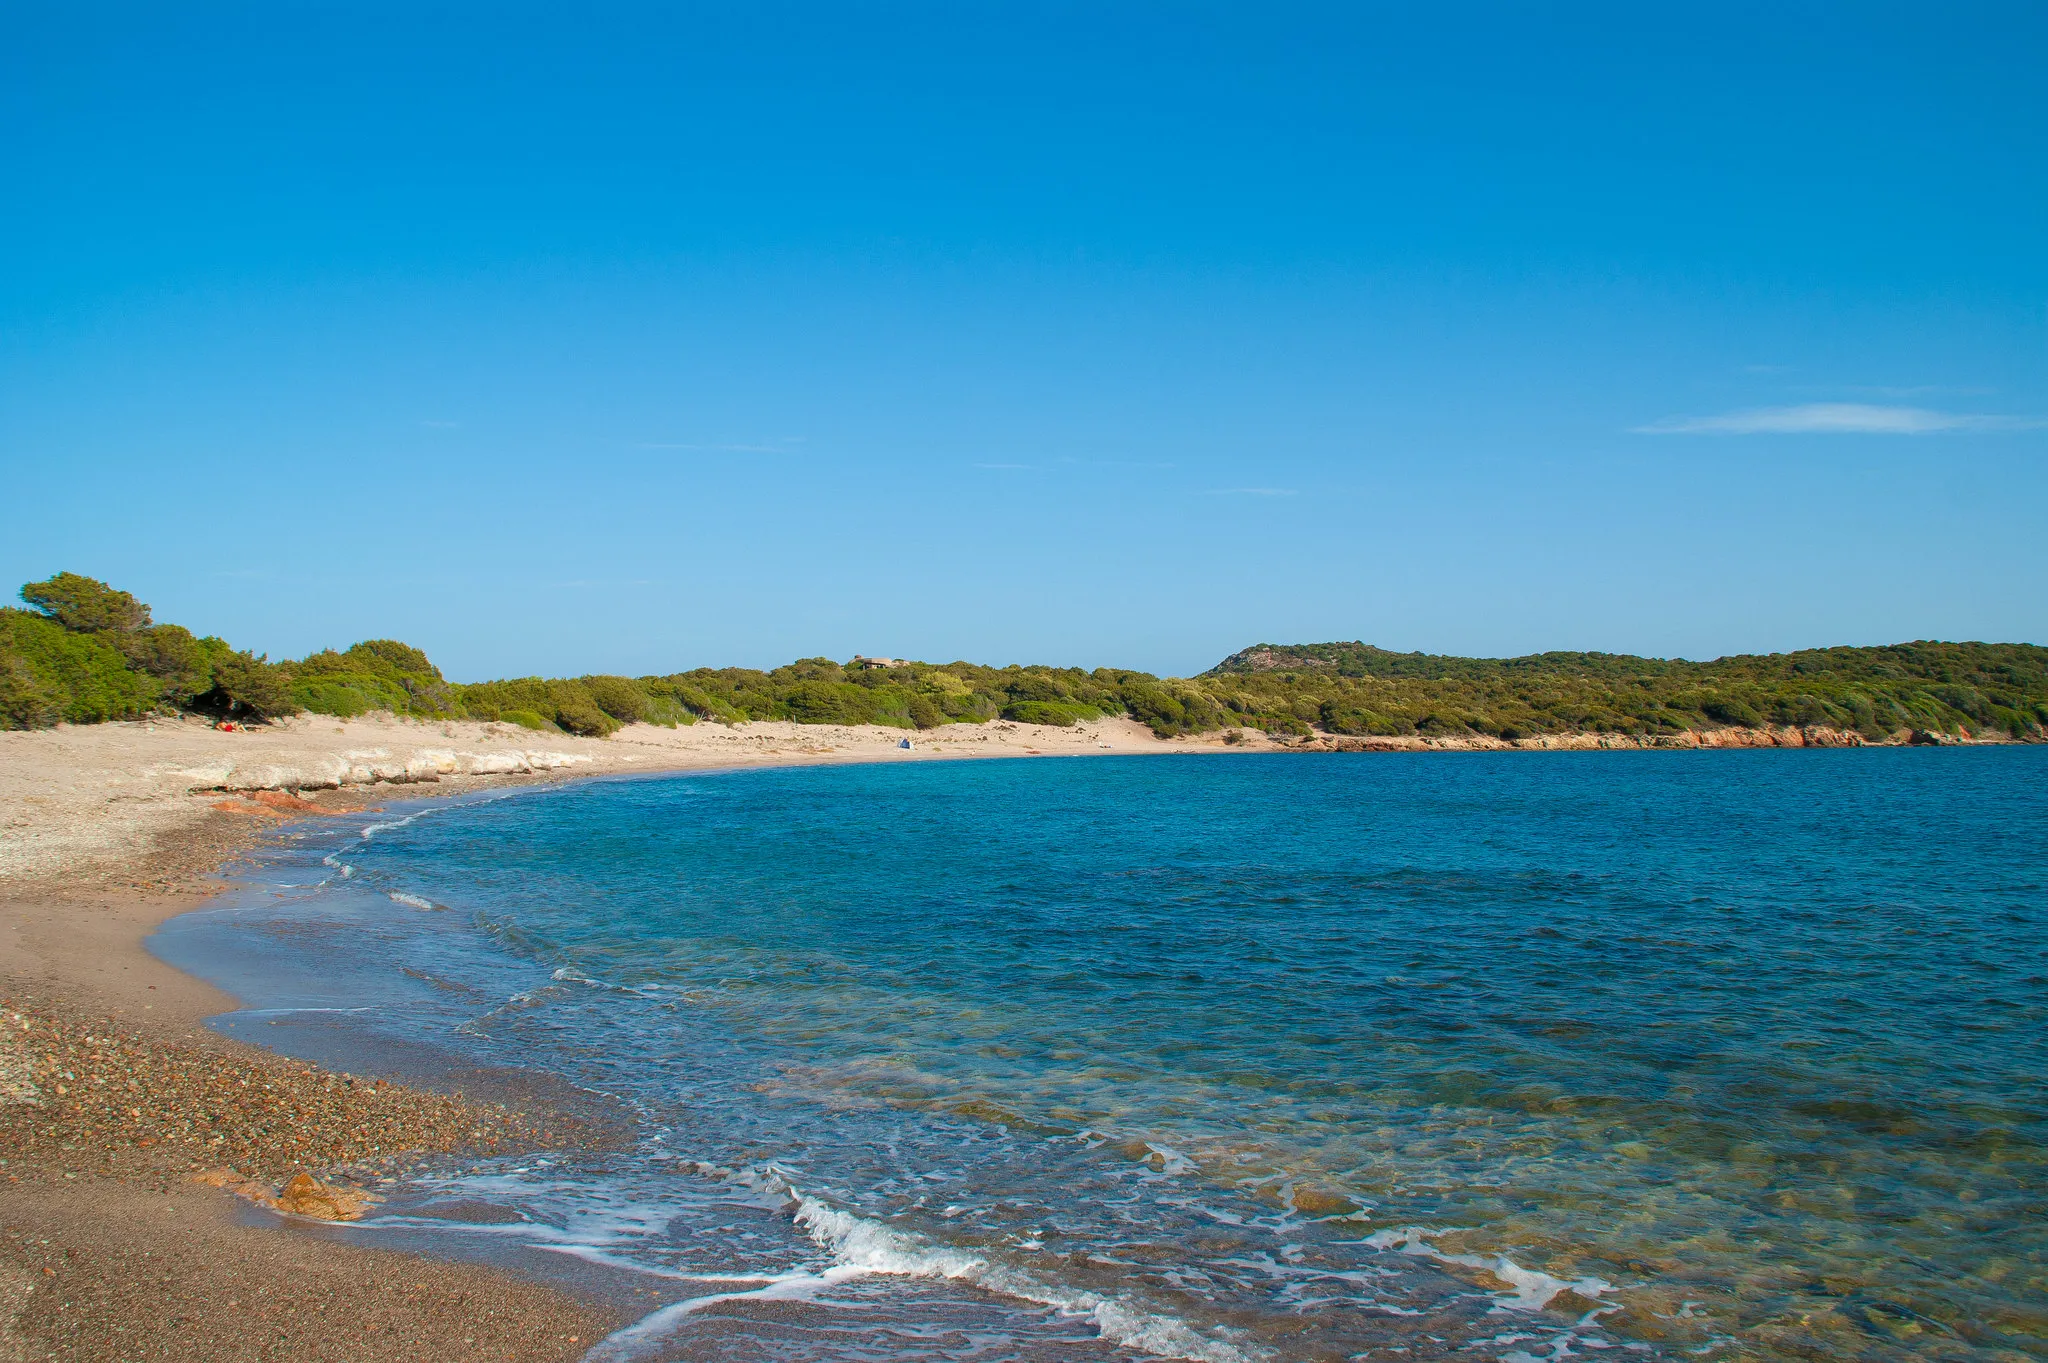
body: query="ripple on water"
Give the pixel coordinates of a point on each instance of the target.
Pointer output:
(1683, 1054)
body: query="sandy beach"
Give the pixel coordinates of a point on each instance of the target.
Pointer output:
(140, 1148)
(144, 805)
(132, 805)
(145, 1203)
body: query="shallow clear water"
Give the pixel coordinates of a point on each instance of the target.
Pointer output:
(1493, 1056)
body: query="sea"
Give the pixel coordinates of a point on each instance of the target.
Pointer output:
(1514, 1056)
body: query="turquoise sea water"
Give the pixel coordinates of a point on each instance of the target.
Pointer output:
(1720, 1055)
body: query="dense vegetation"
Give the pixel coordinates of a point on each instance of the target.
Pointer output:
(85, 652)
(1358, 689)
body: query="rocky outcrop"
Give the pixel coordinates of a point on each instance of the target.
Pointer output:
(1769, 736)
(370, 766)
(1269, 658)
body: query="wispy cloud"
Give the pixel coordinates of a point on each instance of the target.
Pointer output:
(1251, 492)
(1837, 418)
(1006, 466)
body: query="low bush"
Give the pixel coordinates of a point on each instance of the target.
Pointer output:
(828, 702)
(61, 674)
(620, 698)
(1729, 710)
(1337, 718)
(1062, 713)
(328, 697)
(25, 702)
(584, 719)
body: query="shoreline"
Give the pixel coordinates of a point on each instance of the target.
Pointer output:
(115, 1248)
(127, 1236)
(135, 805)
(129, 805)
(142, 1154)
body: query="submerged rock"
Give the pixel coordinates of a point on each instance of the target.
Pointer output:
(1321, 1202)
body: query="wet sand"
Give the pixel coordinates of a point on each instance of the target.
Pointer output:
(125, 805)
(126, 1124)
(114, 1095)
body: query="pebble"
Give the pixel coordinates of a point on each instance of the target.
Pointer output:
(86, 1092)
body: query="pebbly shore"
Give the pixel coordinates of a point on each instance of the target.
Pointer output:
(153, 1172)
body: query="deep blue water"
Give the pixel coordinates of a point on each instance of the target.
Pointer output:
(1491, 1056)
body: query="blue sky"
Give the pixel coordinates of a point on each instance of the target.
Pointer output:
(643, 338)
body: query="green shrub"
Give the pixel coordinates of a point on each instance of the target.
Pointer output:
(245, 686)
(385, 673)
(389, 657)
(618, 697)
(584, 719)
(327, 697)
(1063, 714)
(694, 701)
(1154, 706)
(488, 700)
(668, 712)
(525, 719)
(348, 693)
(1337, 718)
(1030, 686)
(825, 702)
(1729, 710)
(974, 708)
(1863, 714)
(1967, 700)
(82, 678)
(169, 653)
(25, 701)
(1802, 710)
(2012, 721)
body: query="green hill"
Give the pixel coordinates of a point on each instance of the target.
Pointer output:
(85, 652)
(1354, 688)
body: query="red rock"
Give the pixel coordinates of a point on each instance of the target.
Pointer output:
(307, 1196)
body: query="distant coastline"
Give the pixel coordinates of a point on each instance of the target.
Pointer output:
(85, 652)
(1731, 737)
